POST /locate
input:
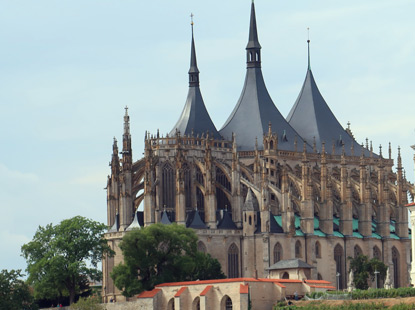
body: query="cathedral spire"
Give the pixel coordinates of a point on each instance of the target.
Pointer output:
(308, 47)
(195, 119)
(193, 71)
(253, 49)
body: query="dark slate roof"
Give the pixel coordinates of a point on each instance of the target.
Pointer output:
(134, 224)
(312, 118)
(226, 222)
(255, 109)
(116, 226)
(251, 203)
(196, 221)
(195, 118)
(294, 263)
(165, 219)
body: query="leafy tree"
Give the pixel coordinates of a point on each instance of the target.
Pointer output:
(61, 258)
(15, 293)
(161, 253)
(363, 268)
(90, 303)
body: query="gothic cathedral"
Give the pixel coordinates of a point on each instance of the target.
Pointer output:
(264, 188)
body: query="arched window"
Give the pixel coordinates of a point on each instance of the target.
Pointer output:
(271, 145)
(396, 265)
(277, 252)
(200, 200)
(196, 303)
(339, 259)
(187, 186)
(226, 303)
(298, 249)
(201, 247)
(233, 261)
(285, 275)
(318, 250)
(319, 277)
(357, 251)
(170, 304)
(376, 253)
(168, 187)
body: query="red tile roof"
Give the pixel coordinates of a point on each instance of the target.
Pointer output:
(244, 289)
(149, 294)
(180, 291)
(210, 282)
(317, 281)
(410, 204)
(206, 290)
(322, 286)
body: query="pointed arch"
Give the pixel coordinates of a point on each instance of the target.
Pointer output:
(285, 275)
(226, 303)
(278, 252)
(298, 249)
(201, 247)
(168, 187)
(196, 303)
(318, 249)
(376, 253)
(339, 260)
(233, 261)
(396, 267)
(357, 251)
(170, 304)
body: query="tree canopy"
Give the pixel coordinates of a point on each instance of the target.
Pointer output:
(363, 268)
(162, 253)
(15, 294)
(62, 258)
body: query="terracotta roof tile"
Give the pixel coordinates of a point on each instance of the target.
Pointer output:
(149, 294)
(180, 291)
(206, 290)
(244, 289)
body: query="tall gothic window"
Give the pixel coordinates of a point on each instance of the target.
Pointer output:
(318, 250)
(298, 249)
(226, 303)
(277, 252)
(201, 247)
(200, 200)
(357, 251)
(187, 186)
(339, 259)
(376, 253)
(396, 265)
(233, 261)
(168, 187)
(199, 176)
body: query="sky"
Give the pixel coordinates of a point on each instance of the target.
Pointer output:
(68, 68)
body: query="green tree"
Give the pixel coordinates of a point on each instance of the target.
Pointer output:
(161, 253)
(14, 292)
(61, 258)
(363, 268)
(90, 303)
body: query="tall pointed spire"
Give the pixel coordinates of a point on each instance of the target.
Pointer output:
(195, 118)
(126, 142)
(255, 109)
(312, 118)
(193, 71)
(308, 46)
(253, 48)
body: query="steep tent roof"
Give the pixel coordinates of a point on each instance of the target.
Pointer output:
(195, 118)
(290, 264)
(255, 109)
(312, 118)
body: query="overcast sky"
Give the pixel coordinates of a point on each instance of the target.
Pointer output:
(68, 68)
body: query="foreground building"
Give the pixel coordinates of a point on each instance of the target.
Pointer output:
(264, 188)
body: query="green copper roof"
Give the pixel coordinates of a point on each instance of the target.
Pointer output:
(358, 235)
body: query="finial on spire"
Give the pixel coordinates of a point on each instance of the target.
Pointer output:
(253, 48)
(193, 71)
(308, 45)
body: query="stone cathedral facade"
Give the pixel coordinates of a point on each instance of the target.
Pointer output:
(264, 188)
